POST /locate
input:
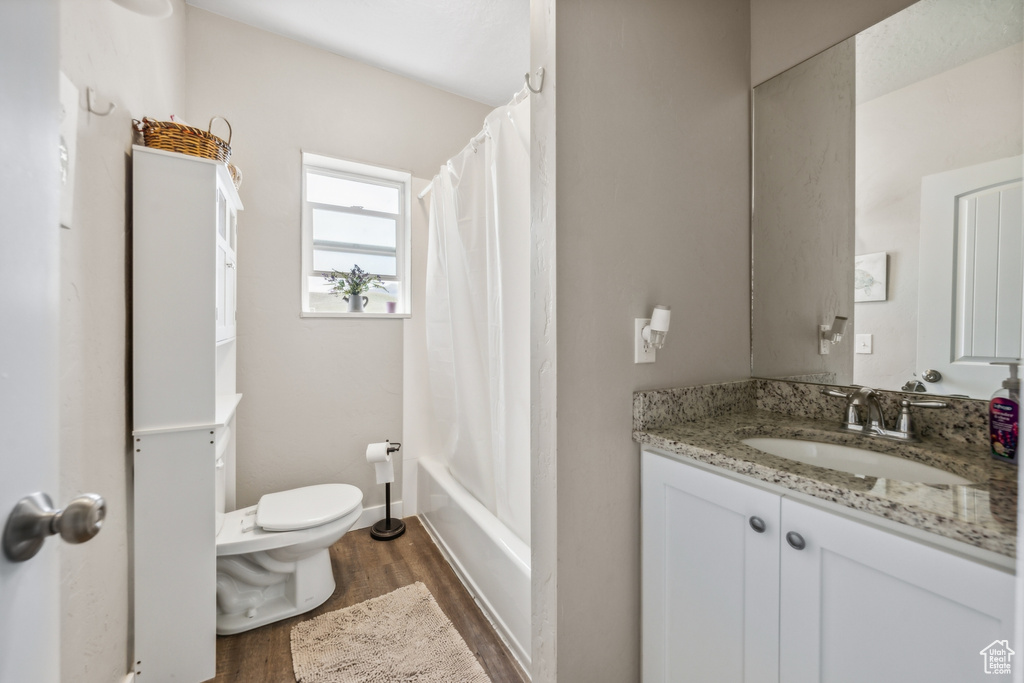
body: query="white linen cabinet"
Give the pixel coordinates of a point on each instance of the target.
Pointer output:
(183, 367)
(744, 585)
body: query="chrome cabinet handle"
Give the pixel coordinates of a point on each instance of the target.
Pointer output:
(758, 525)
(931, 376)
(796, 541)
(34, 519)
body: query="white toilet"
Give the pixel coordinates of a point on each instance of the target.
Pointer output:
(273, 560)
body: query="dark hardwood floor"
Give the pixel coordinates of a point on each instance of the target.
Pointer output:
(365, 568)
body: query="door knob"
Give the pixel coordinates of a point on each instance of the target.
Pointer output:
(34, 518)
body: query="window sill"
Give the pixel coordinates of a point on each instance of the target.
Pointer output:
(364, 316)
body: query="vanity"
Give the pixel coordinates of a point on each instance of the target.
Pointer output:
(795, 529)
(760, 568)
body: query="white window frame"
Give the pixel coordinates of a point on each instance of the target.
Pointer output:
(365, 173)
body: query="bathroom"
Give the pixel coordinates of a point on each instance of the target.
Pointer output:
(651, 206)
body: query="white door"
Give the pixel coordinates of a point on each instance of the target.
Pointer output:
(971, 281)
(710, 577)
(861, 604)
(29, 618)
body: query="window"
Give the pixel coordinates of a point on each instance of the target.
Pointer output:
(354, 215)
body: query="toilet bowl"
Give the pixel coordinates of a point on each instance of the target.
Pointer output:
(273, 560)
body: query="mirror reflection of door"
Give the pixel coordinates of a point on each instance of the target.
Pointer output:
(971, 292)
(934, 88)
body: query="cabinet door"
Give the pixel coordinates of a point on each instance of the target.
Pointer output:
(219, 292)
(226, 277)
(225, 291)
(175, 557)
(710, 581)
(862, 604)
(230, 289)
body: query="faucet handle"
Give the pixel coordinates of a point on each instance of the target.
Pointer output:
(924, 404)
(836, 393)
(852, 419)
(905, 426)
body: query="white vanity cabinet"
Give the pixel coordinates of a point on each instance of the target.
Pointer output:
(710, 581)
(183, 372)
(730, 599)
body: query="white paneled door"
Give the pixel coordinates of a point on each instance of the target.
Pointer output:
(710, 593)
(860, 604)
(971, 281)
(29, 616)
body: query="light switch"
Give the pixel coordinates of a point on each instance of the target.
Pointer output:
(862, 343)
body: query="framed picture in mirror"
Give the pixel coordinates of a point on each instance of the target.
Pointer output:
(869, 277)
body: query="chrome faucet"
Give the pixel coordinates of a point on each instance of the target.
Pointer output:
(860, 396)
(875, 419)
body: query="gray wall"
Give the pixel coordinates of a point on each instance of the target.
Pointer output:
(653, 167)
(315, 390)
(138, 64)
(803, 216)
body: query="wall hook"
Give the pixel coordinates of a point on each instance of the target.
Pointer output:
(89, 92)
(540, 74)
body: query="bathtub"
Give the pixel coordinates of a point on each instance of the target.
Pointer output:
(492, 562)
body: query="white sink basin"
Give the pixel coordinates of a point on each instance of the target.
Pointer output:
(853, 460)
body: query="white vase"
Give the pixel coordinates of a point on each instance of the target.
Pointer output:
(356, 303)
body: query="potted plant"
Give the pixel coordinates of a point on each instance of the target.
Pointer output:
(351, 285)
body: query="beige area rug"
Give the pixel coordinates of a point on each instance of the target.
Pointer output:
(401, 637)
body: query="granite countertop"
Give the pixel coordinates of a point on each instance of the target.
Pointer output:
(982, 514)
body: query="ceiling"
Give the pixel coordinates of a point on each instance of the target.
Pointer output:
(479, 49)
(930, 37)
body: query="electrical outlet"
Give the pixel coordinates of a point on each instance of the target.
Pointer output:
(862, 343)
(640, 353)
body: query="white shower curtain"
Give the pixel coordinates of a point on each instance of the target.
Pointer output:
(478, 314)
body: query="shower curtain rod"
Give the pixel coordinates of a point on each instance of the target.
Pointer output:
(473, 141)
(516, 99)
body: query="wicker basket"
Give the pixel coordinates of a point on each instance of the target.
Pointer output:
(175, 137)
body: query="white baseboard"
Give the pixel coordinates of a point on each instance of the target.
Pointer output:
(376, 513)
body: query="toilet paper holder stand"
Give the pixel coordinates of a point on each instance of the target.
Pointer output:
(388, 529)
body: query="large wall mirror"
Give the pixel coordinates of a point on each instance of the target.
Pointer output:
(887, 190)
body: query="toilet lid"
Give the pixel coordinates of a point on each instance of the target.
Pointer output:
(306, 507)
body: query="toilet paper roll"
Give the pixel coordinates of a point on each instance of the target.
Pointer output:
(377, 453)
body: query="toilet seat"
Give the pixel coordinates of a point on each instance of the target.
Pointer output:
(306, 507)
(240, 532)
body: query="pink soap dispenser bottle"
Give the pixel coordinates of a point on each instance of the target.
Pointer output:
(1004, 416)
